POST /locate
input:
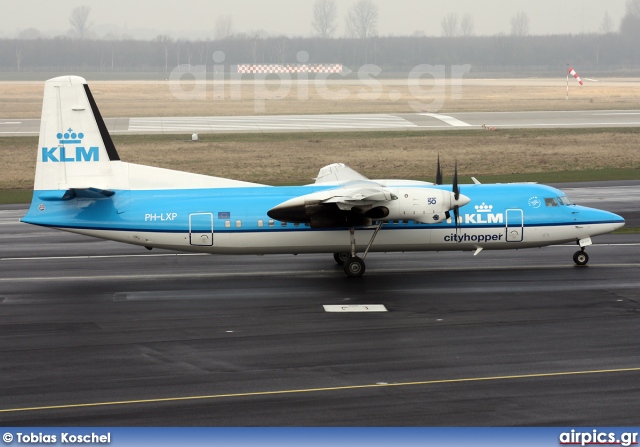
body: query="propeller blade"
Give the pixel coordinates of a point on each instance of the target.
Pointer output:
(455, 216)
(438, 172)
(456, 188)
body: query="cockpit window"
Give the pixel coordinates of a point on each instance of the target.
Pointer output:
(559, 200)
(550, 201)
(566, 200)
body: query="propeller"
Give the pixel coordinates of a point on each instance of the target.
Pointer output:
(456, 196)
(458, 199)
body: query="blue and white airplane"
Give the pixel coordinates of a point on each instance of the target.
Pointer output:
(82, 186)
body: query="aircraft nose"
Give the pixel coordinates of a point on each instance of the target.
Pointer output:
(599, 221)
(617, 221)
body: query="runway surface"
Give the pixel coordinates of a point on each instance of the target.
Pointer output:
(99, 333)
(350, 122)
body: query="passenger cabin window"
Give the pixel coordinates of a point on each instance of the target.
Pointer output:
(260, 223)
(271, 223)
(238, 223)
(227, 224)
(284, 224)
(550, 201)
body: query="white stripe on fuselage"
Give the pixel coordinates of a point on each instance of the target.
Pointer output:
(392, 239)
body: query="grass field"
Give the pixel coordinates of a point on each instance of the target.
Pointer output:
(154, 98)
(544, 155)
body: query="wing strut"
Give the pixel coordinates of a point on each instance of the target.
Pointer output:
(375, 233)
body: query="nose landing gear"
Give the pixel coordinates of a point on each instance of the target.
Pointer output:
(581, 257)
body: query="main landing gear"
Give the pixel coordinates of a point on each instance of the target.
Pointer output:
(581, 257)
(353, 265)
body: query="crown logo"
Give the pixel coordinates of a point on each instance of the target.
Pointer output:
(483, 208)
(70, 137)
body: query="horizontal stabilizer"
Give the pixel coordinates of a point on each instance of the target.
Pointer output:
(75, 193)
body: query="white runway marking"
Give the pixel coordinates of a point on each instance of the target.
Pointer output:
(159, 255)
(447, 119)
(293, 122)
(26, 133)
(346, 122)
(354, 308)
(577, 125)
(616, 113)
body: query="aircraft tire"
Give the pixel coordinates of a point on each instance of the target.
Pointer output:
(341, 258)
(580, 257)
(354, 267)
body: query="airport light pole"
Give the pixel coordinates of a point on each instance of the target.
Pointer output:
(567, 97)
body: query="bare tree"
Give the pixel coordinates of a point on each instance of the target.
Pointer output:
(607, 24)
(279, 50)
(223, 27)
(362, 20)
(18, 57)
(520, 24)
(29, 33)
(79, 20)
(467, 25)
(190, 51)
(325, 14)
(164, 42)
(632, 7)
(450, 25)
(178, 47)
(630, 23)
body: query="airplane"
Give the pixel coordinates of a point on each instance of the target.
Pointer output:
(83, 187)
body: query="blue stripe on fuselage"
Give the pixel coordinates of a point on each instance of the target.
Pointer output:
(169, 210)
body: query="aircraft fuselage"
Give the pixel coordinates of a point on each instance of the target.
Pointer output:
(235, 220)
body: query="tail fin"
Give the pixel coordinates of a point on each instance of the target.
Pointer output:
(77, 158)
(75, 149)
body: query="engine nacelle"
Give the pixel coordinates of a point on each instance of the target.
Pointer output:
(425, 205)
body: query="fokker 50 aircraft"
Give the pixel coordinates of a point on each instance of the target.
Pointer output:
(81, 186)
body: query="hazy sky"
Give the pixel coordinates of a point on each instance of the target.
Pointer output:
(196, 18)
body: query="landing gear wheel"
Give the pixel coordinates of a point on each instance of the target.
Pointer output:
(341, 258)
(354, 267)
(581, 257)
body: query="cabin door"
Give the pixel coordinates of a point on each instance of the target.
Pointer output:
(514, 225)
(201, 229)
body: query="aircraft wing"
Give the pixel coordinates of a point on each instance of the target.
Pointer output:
(352, 204)
(352, 200)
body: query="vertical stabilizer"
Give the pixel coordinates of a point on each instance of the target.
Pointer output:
(75, 149)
